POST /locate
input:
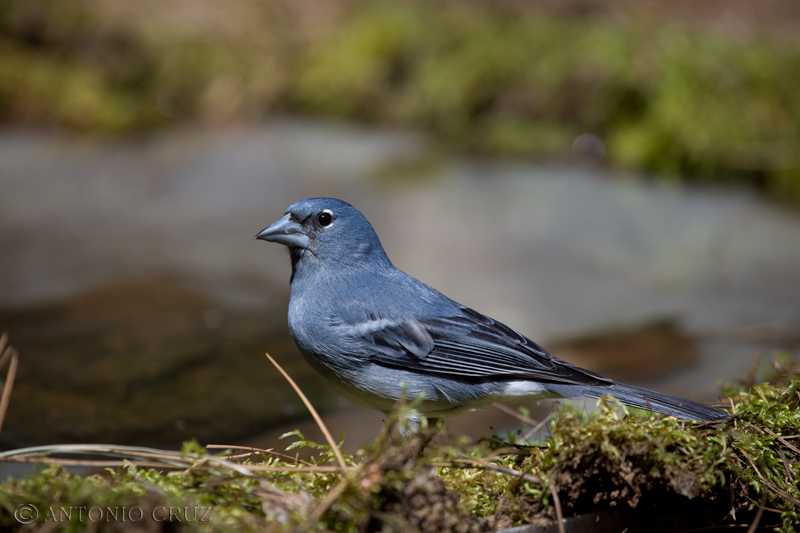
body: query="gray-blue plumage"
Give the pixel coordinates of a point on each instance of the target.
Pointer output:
(374, 332)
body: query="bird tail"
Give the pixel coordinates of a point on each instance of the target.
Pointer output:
(645, 399)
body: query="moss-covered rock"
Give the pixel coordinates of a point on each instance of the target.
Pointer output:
(634, 466)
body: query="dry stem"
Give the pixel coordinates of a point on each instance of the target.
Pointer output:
(334, 448)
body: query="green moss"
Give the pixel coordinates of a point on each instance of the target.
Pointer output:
(433, 481)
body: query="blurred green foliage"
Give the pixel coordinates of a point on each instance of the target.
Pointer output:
(683, 103)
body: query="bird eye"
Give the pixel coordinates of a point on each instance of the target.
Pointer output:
(325, 218)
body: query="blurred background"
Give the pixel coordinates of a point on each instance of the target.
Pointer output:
(617, 179)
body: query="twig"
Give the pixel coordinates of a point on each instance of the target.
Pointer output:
(785, 463)
(782, 440)
(519, 416)
(537, 427)
(516, 414)
(754, 525)
(323, 506)
(772, 487)
(557, 504)
(794, 449)
(334, 448)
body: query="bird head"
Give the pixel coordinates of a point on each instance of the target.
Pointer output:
(326, 230)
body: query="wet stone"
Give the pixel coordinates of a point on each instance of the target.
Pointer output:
(149, 361)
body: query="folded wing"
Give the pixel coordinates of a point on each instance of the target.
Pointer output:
(466, 345)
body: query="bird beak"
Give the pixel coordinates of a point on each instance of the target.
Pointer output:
(286, 232)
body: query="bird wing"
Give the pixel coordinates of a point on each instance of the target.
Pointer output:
(467, 344)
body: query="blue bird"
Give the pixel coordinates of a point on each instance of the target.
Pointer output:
(376, 334)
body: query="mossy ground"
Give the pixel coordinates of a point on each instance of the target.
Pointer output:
(435, 481)
(665, 97)
(662, 98)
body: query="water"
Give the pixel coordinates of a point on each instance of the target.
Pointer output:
(141, 306)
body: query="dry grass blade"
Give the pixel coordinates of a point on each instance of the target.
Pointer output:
(508, 450)
(244, 455)
(469, 463)
(291, 469)
(522, 418)
(7, 353)
(516, 414)
(93, 463)
(334, 448)
(557, 505)
(3, 342)
(251, 451)
(537, 427)
(126, 454)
